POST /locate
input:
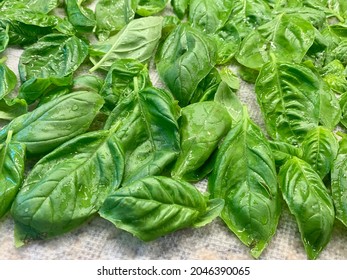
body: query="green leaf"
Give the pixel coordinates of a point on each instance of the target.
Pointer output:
(213, 209)
(68, 186)
(309, 201)
(339, 181)
(186, 57)
(150, 7)
(112, 15)
(320, 149)
(289, 98)
(248, 15)
(43, 6)
(209, 16)
(202, 127)
(12, 157)
(81, 18)
(119, 81)
(286, 37)
(137, 40)
(334, 74)
(148, 131)
(55, 122)
(283, 151)
(156, 206)
(180, 7)
(4, 37)
(245, 177)
(8, 80)
(226, 96)
(12, 108)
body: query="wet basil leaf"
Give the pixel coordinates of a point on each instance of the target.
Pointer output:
(8, 79)
(112, 15)
(289, 98)
(320, 149)
(245, 177)
(55, 122)
(309, 201)
(81, 18)
(247, 15)
(335, 75)
(137, 40)
(283, 151)
(119, 81)
(339, 181)
(150, 7)
(62, 57)
(155, 206)
(209, 16)
(186, 57)
(202, 127)
(12, 108)
(68, 186)
(43, 6)
(4, 37)
(180, 7)
(148, 132)
(12, 157)
(287, 37)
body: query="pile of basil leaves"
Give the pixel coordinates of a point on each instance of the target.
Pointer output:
(106, 141)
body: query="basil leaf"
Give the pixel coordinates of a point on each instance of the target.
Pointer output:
(80, 17)
(12, 156)
(339, 182)
(68, 186)
(62, 56)
(309, 201)
(8, 79)
(209, 16)
(150, 7)
(289, 98)
(55, 122)
(283, 151)
(180, 7)
(4, 37)
(245, 177)
(330, 111)
(334, 74)
(43, 6)
(155, 206)
(112, 15)
(186, 57)
(148, 131)
(320, 149)
(12, 108)
(248, 15)
(202, 126)
(137, 40)
(119, 81)
(287, 37)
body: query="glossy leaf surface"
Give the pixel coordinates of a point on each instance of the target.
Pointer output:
(155, 206)
(55, 122)
(245, 177)
(309, 201)
(68, 186)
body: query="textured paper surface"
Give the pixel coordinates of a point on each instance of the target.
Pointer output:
(99, 239)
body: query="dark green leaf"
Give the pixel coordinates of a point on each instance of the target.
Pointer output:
(309, 201)
(339, 181)
(68, 186)
(148, 131)
(283, 151)
(202, 126)
(80, 17)
(112, 15)
(180, 7)
(8, 79)
(289, 98)
(287, 37)
(320, 149)
(187, 56)
(12, 156)
(245, 177)
(55, 122)
(155, 206)
(12, 108)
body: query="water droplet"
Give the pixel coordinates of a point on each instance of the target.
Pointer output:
(26, 210)
(74, 107)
